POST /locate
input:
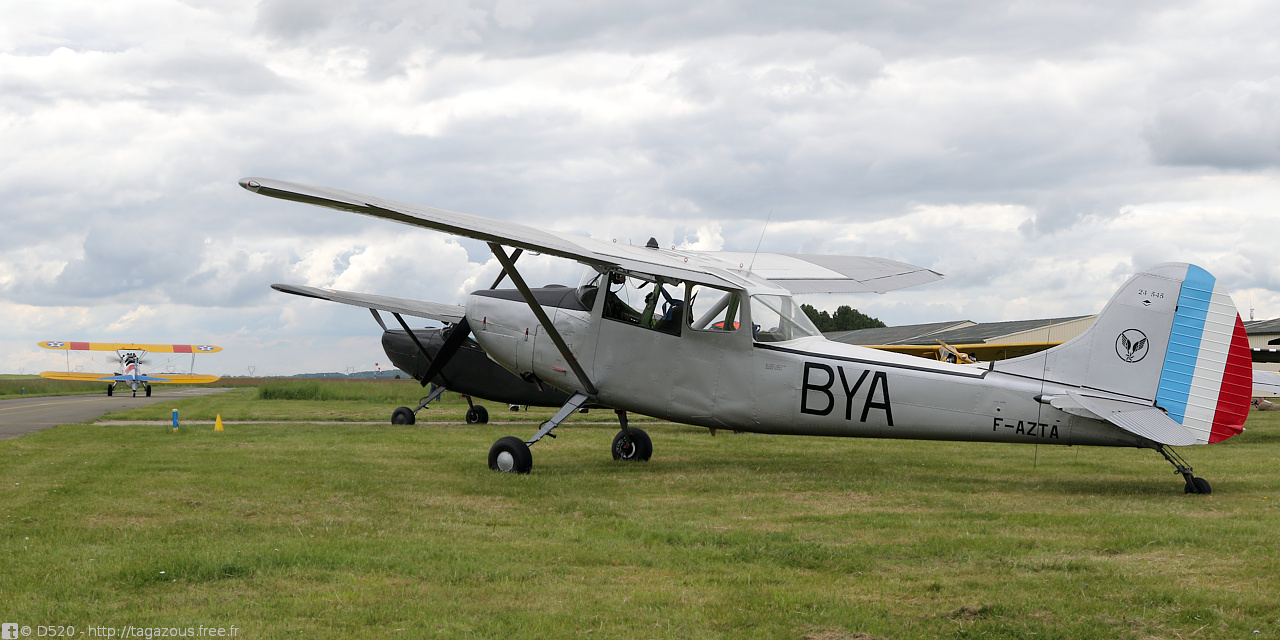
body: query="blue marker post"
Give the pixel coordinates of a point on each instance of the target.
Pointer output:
(175, 420)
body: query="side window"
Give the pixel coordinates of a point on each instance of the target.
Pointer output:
(650, 303)
(712, 309)
(778, 319)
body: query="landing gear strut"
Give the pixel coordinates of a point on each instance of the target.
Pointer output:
(1194, 484)
(511, 454)
(476, 414)
(405, 415)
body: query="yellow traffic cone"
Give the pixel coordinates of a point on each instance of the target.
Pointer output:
(217, 425)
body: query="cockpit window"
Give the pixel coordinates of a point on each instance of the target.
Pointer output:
(712, 309)
(648, 302)
(778, 319)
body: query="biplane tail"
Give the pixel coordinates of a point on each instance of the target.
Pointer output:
(1167, 359)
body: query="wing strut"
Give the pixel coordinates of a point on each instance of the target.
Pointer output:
(378, 318)
(509, 267)
(421, 349)
(515, 255)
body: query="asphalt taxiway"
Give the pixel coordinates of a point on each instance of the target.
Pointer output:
(21, 416)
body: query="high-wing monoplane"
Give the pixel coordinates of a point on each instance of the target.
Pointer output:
(716, 339)
(131, 358)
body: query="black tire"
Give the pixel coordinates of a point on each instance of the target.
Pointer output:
(111, 388)
(403, 415)
(514, 407)
(1199, 486)
(510, 455)
(633, 444)
(148, 391)
(477, 415)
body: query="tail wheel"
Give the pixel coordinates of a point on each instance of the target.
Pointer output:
(633, 444)
(478, 415)
(1200, 486)
(403, 415)
(510, 455)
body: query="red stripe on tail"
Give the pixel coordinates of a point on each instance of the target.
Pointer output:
(1237, 388)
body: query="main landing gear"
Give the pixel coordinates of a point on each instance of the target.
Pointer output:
(111, 389)
(405, 415)
(1194, 484)
(512, 455)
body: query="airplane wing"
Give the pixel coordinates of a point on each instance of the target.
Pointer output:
(77, 376)
(183, 378)
(164, 378)
(805, 273)
(798, 273)
(450, 313)
(129, 346)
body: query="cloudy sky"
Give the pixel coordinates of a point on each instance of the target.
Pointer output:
(1035, 153)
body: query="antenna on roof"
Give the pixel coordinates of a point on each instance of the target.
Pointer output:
(757, 251)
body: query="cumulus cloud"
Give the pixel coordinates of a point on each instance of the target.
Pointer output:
(1035, 153)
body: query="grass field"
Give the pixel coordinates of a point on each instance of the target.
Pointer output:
(12, 386)
(361, 531)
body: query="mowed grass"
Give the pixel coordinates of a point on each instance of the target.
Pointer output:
(12, 386)
(362, 531)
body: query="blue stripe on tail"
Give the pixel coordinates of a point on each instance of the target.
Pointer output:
(1184, 342)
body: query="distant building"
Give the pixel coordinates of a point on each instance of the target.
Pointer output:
(1264, 335)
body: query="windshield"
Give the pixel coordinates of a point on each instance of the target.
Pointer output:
(778, 319)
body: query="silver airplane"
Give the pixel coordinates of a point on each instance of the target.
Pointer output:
(715, 339)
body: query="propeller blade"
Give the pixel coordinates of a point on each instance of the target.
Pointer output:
(457, 336)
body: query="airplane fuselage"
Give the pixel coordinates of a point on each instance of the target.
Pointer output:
(804, 386)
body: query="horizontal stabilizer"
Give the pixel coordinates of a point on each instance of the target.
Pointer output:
(1266, 384)
(128, 346)
(1142, 420)
(439, 312)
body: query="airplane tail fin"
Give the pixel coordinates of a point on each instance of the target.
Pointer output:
(1171, 345)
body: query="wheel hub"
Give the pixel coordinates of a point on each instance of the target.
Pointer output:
(506, 461)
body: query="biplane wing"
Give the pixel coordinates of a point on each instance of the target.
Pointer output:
(168, 378)
(128, 346)
(798, 273)
(450, 313)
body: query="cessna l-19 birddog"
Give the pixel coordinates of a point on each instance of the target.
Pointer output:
(715, 339)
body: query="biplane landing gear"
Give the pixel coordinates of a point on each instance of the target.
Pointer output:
(111, 389)
(1194, 484)
(403, 415)
(148, 391)
(511, 454)
(631, 443)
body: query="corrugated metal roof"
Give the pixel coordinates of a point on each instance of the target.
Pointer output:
(966, 333)
(1260, 327)
(893, 335)
(987, 330)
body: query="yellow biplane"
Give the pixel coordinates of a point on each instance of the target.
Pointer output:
(131, 361)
